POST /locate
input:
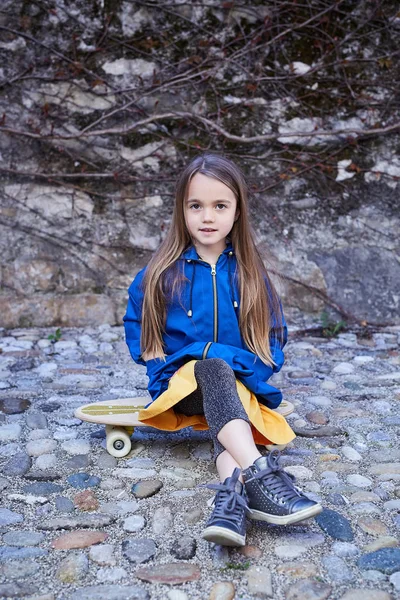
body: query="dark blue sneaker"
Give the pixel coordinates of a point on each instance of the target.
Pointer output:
(272, 495)
(227, 524)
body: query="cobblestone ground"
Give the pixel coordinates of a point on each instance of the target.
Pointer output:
(77, 523)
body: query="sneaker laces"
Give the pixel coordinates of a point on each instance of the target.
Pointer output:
(228, 503)
(279, 483)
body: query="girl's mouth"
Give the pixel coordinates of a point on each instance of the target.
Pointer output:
(208, 230)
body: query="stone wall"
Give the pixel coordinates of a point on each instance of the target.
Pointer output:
(101, 105)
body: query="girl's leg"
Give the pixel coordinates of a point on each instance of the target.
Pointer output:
(228, 422)
(271, 493)
(226, 464)
(193, 405)
(227, 523)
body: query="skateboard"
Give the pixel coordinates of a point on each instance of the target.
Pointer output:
(121, 416)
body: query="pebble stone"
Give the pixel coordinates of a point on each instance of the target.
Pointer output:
(386, 560)
(366, 594)
(146, 489)
(110, 592)
(79, 461)
(67, 504)
(23, 538)
(76, 447)
(351, 454)
(386, 541)
(335, 525)
(111, 574)
(134, 523)
(78, 539)
(9, 433)
(345, 549)
(39, 447)
(322, 401)
(171, 573)
(308, 589)
(374, 576)
(193, 516)
(138, 550)
(373, 526)
(343, 368)
(86, 500)
(73, 568)
(17, 465)
(184, 548)
(64, 504)
(395, 581)
(10, 553)
(162, 519)
(83, 480)
(337, 569)
(222, 590)
(17, 589)
(292, 551)
(46, 461)
(298, 569)
(359, 480)
(9, 517)
(259, 581)
(16, 569)
(177, 595)
(42, 488)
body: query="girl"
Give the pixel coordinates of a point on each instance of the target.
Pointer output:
(206, 320)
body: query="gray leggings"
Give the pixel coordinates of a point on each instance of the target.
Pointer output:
(216, 398)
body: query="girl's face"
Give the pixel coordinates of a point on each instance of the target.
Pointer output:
(210, 204)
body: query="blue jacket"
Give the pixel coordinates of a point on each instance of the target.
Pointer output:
(212, 330)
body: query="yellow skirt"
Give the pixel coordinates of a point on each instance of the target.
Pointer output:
(268, 426)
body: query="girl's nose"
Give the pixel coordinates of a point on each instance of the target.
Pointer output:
(208, 216)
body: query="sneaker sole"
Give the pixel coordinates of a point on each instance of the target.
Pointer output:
(222, 536)
(257, 515)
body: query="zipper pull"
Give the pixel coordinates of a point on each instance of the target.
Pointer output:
(213, 270)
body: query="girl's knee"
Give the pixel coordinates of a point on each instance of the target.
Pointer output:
(212, 365)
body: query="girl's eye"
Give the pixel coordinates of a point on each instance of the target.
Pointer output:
(193, 205)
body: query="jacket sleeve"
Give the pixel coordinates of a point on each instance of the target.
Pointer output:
(132, 321)
(160, 371)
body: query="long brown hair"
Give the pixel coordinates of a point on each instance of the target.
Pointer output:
(162, 279)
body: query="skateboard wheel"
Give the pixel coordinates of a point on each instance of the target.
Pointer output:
(118, 441)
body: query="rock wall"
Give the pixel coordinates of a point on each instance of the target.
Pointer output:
(101, 104)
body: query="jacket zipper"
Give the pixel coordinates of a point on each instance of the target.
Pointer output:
(215, 294)
(214, 274)
(206, 348)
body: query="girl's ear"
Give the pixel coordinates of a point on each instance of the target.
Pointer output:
(237, 215)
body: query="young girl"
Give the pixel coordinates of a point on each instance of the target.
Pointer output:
(205, 319)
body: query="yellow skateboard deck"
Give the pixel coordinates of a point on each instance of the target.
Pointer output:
(123, 411)
(121, 416)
